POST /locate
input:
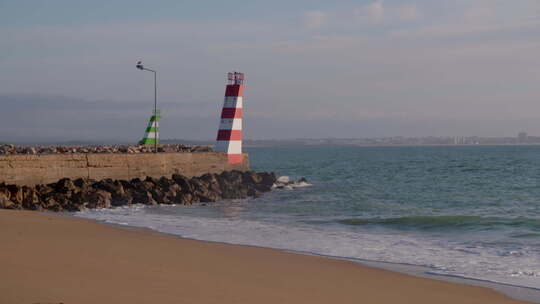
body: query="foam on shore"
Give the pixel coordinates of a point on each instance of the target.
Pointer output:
(394, 252)
(55, 259)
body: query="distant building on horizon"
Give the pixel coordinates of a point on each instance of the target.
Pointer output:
(522, 137)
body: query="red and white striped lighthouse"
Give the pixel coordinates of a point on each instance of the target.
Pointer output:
(229, 137)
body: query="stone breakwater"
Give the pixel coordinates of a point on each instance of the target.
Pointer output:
(117, 149)
(80, 194)
(30, 170)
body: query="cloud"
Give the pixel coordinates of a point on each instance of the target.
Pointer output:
(375, 11)
(480, 14)
(378, 12)
(408, 12)
(476, 19)
(315, 19)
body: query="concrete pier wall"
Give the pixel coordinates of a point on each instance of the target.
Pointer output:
(48, 168)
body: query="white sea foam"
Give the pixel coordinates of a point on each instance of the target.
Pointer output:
(302, 184)
(519, 267)
(283, 179)
(284, 182)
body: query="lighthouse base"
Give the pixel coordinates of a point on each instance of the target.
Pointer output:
(235, 158)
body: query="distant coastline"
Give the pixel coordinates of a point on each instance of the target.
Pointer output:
(521, 139)
(394, 141)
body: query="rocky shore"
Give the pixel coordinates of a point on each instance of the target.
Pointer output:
(80, 194)
(7, 149)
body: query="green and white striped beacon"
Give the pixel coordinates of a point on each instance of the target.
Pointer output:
(151, 135)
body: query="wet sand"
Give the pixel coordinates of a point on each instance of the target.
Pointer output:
(54, 259)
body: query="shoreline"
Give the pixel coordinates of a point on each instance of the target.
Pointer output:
(523, 293)
(51, 258)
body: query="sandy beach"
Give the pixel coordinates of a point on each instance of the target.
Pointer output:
(54, 259)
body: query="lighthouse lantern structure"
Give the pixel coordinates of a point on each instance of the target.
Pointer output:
(229, 137)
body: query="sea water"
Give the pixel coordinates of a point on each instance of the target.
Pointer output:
(471, 211)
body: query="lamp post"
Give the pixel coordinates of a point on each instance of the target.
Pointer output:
(140, 66)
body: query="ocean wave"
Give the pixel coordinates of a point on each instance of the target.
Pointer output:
(517, 266)
(451, 221)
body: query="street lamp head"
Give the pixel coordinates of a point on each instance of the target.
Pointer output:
(140, 65)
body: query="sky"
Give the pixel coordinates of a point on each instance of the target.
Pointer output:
(314, 69)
